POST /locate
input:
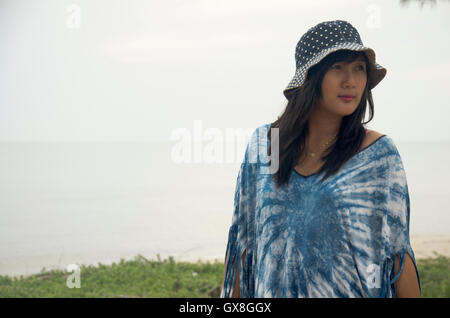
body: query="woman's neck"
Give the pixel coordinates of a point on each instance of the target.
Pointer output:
(321, 128)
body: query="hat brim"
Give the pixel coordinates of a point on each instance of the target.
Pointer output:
(377, 72)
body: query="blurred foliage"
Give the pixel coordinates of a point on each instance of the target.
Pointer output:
(167, 278)
(435, 276)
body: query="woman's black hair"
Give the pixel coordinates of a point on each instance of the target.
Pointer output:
(292, 123)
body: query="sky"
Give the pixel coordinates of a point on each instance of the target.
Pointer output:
(140, 70)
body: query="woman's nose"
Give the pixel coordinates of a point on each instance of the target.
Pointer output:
(349, 79)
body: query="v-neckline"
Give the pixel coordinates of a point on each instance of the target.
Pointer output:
(360, 151)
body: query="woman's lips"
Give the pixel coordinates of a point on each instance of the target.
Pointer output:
(346, 98)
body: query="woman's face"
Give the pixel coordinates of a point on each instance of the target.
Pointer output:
(343, 79)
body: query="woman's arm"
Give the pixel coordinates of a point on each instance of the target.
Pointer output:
(407, 285)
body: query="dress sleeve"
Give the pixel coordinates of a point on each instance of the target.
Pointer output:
(397, 238)
(239, 251)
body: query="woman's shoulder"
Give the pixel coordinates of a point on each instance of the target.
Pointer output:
(383, 145)
(371, 137)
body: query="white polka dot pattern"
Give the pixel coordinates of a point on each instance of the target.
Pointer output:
(325, 38)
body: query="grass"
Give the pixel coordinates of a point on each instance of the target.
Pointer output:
(435, 276)
(167, 278)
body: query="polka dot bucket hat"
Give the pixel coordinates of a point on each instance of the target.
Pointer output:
(325, 38)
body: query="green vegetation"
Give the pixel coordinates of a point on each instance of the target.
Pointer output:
(435, 276)
(167, 278)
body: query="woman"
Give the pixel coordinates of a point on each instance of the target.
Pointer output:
(333, 220)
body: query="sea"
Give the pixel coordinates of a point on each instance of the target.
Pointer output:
(89, 203)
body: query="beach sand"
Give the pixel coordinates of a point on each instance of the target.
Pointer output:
(424, 246)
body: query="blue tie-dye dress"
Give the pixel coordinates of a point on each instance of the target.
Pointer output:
(338, 238)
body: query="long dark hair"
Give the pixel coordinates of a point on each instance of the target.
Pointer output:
(292, 124)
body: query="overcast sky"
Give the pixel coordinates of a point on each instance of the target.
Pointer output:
(137, 70)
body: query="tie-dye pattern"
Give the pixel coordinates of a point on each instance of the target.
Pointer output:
(338, 238)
